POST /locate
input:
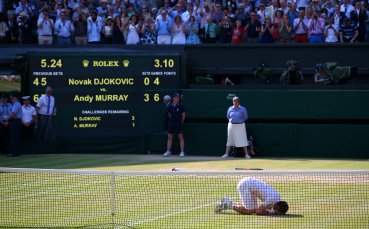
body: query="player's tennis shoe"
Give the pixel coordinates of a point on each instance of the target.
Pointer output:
(167, 154)
(182, 154)
(225, 155)
(247, 156)
(224, 204)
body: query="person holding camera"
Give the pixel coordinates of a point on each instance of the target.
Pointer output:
(316, 28)
(25, 28)
(300, 25)
(45, 27)
(64, 29)
(331, 32)
(94, 28)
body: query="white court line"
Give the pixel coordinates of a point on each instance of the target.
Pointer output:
(168, 215)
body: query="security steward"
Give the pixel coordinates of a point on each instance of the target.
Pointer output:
(5, 109)
(15, 126)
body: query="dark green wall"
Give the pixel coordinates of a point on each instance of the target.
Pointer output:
(284, 123)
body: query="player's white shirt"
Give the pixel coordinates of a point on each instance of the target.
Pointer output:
(264, 192)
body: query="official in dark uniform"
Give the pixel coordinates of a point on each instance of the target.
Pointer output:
(177, 115)
(15, 126)
(5, 110)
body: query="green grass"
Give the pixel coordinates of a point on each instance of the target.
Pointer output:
(9, 86)
(179, 200)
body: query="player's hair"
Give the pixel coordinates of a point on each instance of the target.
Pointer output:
(283, 207)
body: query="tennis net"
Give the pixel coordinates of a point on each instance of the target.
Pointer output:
(43, 198)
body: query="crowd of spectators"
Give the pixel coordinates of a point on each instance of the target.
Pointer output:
(81, 22)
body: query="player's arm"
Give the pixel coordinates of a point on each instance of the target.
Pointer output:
(242, 210)
(265, 210)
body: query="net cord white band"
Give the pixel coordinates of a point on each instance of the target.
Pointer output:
(273, 172)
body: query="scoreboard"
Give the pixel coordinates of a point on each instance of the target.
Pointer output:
(105, 94)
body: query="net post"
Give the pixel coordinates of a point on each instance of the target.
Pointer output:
(112, 194)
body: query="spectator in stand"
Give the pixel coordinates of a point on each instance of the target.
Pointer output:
(5, 110)
(348, 31)
(331, 32)
(103, 9)
(302, 4)
(13, 33)
(25, 8)
(241, 15)
(192, 32)
(261, 13)
(272, 8)
(64, 29)
(337, 16)
(210, 31)
(163, 28)
(178, 31)
(145, 12)
(362, 20)
(316, 28)
(60, 7)
(177, 10)
(330, 7)
(167, 5)
(80, 31)
(45, 27)
(125, 21)
(205, 13)
(300, 25)
(148, 32)
(25, 29)
(73, 3)
(29, 118)
(285, 30)
(277, 23)
(107, 30)
(154, 13)
(253, 29)
(238, 31)
(225, 28)
(292, 14)
(133, 31)
(3, 28)
(346, 8)
(118, 29)
(218, 13)
(186, 15)
(94, 28)
(285, 7)
(267, 31)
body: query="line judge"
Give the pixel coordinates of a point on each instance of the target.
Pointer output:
(236, 132)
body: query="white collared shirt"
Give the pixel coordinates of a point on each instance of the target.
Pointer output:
(27, 113)
(94, 30)
(43, 102)
(46, 29)
(64, 28)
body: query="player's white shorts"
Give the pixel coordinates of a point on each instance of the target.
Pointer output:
(237, 135)
(248, 197)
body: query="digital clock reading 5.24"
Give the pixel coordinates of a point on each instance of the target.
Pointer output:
(51, 63)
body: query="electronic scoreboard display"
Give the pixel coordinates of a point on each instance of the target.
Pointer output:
(105, 94)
